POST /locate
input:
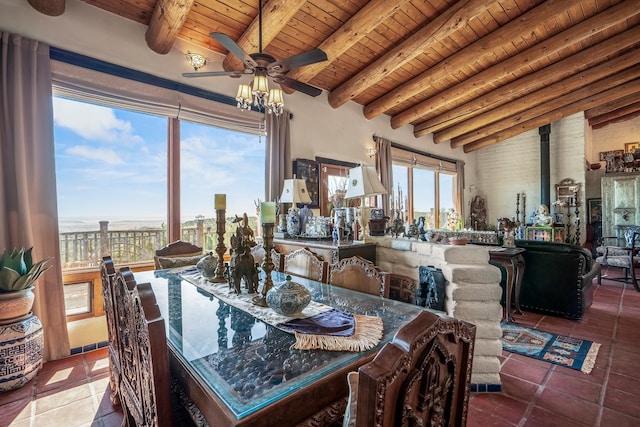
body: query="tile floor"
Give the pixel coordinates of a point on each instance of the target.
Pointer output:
(74, 391)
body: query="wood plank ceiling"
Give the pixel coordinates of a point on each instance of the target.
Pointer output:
(472, 72)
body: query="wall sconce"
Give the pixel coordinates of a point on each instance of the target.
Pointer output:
(371, 151)
(196, 60)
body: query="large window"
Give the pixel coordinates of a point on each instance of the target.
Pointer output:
(424, 186)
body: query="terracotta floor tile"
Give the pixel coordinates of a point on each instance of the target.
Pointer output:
(623, 382)
(568, 406)
(617, 419)
(518, 388)
(479, 418)
(527, 369)
(501, 406)
(15, 411)
(58, 397)
(543, 418)
(24, 392)
(622, 401)
(112, 420)
(74, 414)
(571, 385)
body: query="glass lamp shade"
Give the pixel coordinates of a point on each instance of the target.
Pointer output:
(260, 86)
(295, 191)
(244, 97)
(275, 103)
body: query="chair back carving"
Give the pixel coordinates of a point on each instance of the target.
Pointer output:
(402, 288)
(359, 274)
(144, 360)
(278, 260)
(107, 274)
(304, 263)
(175, 249)
(258, 253)
(422, 377)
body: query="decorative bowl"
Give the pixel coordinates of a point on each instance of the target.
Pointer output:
(596, 166)
(458, 241)
(288, 298)
(207, 265)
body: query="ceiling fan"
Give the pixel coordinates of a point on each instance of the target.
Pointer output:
(263, 64)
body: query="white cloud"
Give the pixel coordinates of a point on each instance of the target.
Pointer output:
(91, 153)
(92, 122)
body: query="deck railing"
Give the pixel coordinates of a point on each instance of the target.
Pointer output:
(85, 249)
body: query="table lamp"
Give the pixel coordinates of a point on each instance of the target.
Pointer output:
(294, 191)
(364, 182)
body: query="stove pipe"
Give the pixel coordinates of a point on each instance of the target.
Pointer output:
(545, 174)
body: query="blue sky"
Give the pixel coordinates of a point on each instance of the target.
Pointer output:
(112, 163)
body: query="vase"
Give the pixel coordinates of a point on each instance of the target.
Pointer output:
(16, 306)
(208, 265)
(22, 347)
(293, 222)
(288, 298)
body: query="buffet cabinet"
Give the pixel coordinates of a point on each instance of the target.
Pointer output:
(620, 202)
(329, 251)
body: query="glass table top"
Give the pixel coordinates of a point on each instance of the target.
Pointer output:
(249, 364)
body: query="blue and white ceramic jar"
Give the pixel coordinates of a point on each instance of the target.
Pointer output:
(293, 222)
(288, 298)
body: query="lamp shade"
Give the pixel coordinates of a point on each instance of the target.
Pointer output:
(295, 191)
(364, 181)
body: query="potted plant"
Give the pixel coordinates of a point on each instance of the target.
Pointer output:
(18, 274)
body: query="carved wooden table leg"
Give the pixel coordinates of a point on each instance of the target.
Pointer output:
(519, 266)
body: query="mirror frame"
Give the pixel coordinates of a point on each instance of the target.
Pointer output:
(328, 167)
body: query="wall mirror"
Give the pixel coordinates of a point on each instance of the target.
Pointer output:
(334, 176)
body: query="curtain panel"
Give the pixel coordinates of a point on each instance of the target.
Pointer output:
(384, 166)
(278, 158)
(28, 205)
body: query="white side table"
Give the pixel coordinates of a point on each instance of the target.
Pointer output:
(21, 352)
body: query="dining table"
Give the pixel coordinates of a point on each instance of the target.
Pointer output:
(240, 371)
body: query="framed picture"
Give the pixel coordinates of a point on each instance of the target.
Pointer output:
(308, 170)
(630, 147)
(595, 210)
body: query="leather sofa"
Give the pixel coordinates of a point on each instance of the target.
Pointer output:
(558, 278)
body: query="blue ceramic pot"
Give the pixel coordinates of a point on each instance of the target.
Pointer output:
(288, 298)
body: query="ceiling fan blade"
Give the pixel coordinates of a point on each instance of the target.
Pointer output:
(228, 43)
(295, 61)
(297, 85)
(217, 73)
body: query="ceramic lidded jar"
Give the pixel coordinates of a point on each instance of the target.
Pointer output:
(288, 298)
(207, 265)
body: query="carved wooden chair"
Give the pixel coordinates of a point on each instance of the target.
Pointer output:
(276, 257)
(402, 288)
(359, 274)
(422, 377)
(304, 263)
(107, 273)
(626, 257)
(177, 254)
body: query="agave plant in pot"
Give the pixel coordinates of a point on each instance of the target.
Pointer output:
(18, 275)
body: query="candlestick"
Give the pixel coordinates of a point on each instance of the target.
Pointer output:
(221, 248)
(267, 263)
(267, 212)
(220, 201)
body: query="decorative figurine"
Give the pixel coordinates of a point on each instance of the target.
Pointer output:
(507, 226)
(242, 265)
(543, 218)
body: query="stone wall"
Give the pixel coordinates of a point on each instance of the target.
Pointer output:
(473, 293)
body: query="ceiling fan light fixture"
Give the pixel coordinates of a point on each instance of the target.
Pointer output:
(275, 105)
(244, 97)
(196, 60)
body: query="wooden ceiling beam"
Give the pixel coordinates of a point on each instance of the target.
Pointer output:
(48, 7)
(611, 106)
(616, 115)
(565, 106)
(502, 36)
(166, 22)
(514, 104)
(482, 82)
(629, 116)
(276, 14)
(443, 26)
(358, 26)
(585, 92)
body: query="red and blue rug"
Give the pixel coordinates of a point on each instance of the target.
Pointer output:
(566, 351)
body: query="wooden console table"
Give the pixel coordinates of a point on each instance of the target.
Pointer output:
(329, 251)
(513, 262)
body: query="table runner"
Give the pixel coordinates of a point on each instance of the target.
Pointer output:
(307, 326)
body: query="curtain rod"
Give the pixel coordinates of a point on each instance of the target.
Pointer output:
(416, 151)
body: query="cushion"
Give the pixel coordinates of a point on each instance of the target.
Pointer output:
(174, 262)
(350, 413)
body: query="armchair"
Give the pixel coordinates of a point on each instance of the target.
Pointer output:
(626, 257)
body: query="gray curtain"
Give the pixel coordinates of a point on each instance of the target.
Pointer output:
(278, 159)
(28, 199)
(384, 168)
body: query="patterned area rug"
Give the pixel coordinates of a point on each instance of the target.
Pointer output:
(573, 353)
